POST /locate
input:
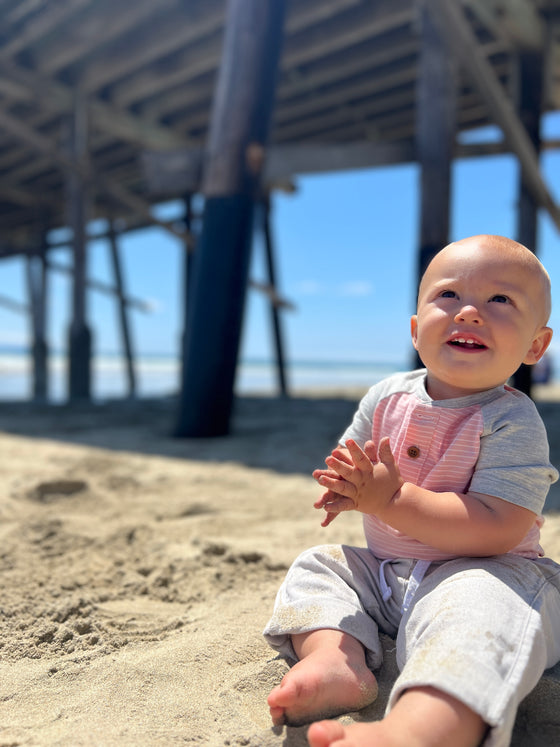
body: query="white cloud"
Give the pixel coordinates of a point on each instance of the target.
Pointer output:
(309, 288)
(356, 289)
(350, 289)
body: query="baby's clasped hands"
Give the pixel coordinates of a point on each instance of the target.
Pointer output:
(358, 479)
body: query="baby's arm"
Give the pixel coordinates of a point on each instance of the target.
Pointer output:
(463, 524)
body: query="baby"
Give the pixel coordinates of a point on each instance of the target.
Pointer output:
(450, 468)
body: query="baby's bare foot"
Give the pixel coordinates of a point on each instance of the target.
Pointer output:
(333, 734)
(422, 717)
(324, 684)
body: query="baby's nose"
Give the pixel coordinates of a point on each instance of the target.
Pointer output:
(469, 313)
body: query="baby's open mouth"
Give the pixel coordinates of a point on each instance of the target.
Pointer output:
(466, 343)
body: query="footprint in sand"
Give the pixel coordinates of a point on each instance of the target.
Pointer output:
(46, 492)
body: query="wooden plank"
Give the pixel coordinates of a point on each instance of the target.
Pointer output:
(197, 91)
(345, 91)
(57, 97)
(518, 21)
(193, 62)
(327, 38)
(302, 17)
(452, 22)
(98, 285)
(98, 22)
(39, 25)
(368, 21)
(159, 39)
(180, 171)
(46, 146)
(287, 161)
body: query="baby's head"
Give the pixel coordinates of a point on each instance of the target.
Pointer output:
(483, 306)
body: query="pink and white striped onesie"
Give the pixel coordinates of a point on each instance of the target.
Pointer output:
(493, 443)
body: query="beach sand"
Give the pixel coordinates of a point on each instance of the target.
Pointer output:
(138, 570)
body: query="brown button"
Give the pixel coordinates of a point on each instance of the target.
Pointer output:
(413, 452)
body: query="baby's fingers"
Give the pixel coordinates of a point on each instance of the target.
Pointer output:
(327, 497)
(337, 485)
(338, 504)
(318, 473)
(385, 453)
(338, 467)
(370, 451)
(359, 457)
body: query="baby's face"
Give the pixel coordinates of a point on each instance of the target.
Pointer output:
(481, 313)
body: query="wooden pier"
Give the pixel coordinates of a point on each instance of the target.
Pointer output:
(106, 110)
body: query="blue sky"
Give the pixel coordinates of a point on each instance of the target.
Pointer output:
(345, 254)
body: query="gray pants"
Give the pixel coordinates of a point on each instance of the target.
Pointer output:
(481, 629)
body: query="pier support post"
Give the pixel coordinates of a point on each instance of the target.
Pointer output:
(37, 290)
(239, 126)
(530, 92)
(435, 138)
(123, 312)
(274, 313)
(79, 381)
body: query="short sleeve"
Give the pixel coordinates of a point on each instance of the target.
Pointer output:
(360, 428)
(514, 455)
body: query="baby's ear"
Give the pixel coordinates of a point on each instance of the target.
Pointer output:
(539, 346)
(414, 330)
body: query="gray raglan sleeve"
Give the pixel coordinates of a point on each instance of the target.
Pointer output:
(514, 455)
(360, 429)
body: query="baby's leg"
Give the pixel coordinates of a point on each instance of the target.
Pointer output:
(330, 678)
(422, 717)
(326, 616)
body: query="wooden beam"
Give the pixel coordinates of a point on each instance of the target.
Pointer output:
(518, 21)
(201, 56)
(177, 171)
(165, 36)
(100, 286)
(287, 161)
(97, 21)
(335, 35)
(46, 146)
(38, 25)
(300, 18)
(57, 97)
(368, 21)
(451, 20)
(347, 91)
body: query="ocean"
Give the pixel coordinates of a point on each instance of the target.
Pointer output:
(158, 376)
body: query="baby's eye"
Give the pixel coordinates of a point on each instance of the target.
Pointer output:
(499, 298)
(448, 294)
